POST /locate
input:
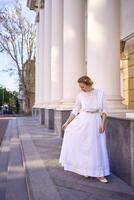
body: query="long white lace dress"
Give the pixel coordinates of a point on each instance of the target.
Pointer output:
(84, 149)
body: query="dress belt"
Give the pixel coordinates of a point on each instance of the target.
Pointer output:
(89, 111)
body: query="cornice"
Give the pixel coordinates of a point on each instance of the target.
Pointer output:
(35, 4)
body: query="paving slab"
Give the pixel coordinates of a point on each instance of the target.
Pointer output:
(4, 156)
(42, 150)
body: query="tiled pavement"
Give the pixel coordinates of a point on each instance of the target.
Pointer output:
(40, 175)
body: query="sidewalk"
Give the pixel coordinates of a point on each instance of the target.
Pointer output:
(46, 179)
(3, 126)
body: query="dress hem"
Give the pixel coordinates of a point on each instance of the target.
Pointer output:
(96, 173)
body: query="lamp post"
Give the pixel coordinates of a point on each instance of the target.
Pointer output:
(3, 94)
(3, 97)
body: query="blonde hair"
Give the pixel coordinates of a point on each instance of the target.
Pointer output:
(86, 80)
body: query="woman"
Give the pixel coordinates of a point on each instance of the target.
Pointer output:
(84, 145)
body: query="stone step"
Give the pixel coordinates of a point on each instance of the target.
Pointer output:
(41, 186)
(4, 156)
(16, 183)
(3, 127)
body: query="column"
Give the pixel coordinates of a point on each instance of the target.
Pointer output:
(103, 48)
(37, 67)
(41, 57)
(73, 50)
(56, 52)
(47, 53)
(39, 61)
(41, 65)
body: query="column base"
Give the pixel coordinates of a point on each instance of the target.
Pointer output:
(41, 115)
(114, 104)
(66, 105)
(49, 118)
(126, 114)
(35, 112)
(60, 118)
(38, 112)
(130, 114)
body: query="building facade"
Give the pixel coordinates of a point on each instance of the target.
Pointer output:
(27, 99)
(81, 37)
(29, 77)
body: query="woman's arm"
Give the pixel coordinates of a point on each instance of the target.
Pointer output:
(103, 114)
(75, 111)
(70, 118)
(103, 125)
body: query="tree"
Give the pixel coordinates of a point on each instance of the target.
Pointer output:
(8, 97)
(17, 40)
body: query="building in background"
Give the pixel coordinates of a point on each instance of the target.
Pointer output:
(29, 76)
(27, 100)
(127, 70)
(127, 52)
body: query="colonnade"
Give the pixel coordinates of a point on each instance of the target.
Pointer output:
(75, 38)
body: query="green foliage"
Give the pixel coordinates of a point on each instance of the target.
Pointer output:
(7, 97)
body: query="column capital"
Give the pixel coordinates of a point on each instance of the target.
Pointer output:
(41, 4)
(32, 4)
(35, 4)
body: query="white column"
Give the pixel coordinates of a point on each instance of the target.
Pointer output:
(103, 48)
(47, 53)
(37, 88)
(39, 62)
(56, 52)
(41, 57)
(73, 50)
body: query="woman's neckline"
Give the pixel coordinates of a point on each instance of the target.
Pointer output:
(92, 90)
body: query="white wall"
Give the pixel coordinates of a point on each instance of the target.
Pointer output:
(127, 17)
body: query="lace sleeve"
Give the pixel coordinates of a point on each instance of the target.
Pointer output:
(77, 106)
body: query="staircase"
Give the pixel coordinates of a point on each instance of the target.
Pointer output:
(12, 172)
(22, 173)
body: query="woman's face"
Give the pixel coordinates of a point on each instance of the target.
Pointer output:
(85, 87)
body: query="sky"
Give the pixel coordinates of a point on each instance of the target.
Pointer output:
(6, 80)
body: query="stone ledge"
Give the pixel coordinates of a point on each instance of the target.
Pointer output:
(16, 182)
(4, 155)
(120, 135)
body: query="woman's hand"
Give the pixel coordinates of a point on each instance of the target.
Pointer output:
(102, 129)
(103, 125)
(71, 117)
(64, 125)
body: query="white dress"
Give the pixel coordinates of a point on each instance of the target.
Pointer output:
(84, 148)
